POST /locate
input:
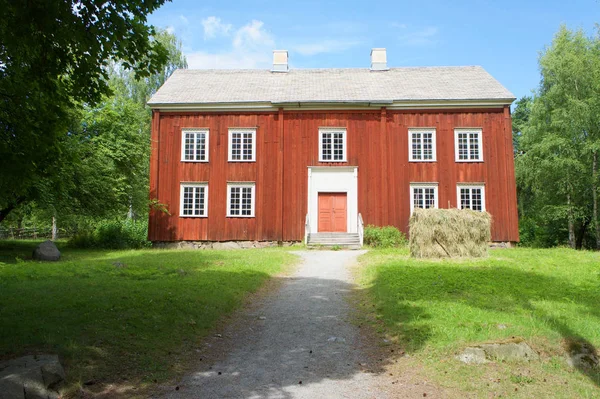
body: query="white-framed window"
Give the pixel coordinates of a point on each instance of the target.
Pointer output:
(242, 145)
(332, 145)
(423, 195)
(194, 145)
(193, 200)
(467, 145)
(422, 145)
(470, 196)
(240, 199)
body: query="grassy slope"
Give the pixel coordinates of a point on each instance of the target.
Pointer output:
(132, 323)
(551, 298)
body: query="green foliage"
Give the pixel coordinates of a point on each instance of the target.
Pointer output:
(116, 315)
(434, 309)
(103, 169)
(557, 139)
(113, 235)
(54, 58)
(384, 237)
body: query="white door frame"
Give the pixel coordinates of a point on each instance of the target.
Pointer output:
(333, 179)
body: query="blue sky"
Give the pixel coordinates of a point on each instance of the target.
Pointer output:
(505, 37)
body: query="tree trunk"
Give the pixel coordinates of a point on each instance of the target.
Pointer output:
(571, 222)
(54, 229)
(595, 198)
(581, 234)
(4, 212)
(130, 212)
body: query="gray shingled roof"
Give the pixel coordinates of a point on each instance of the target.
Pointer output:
(330, 85)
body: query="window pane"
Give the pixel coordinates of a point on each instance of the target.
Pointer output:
(463, 146)
(188, 149)
(234, 201)
(474, 145)
(476, 199)
(246, 201)
(418, 197)
(200, 146)
(188, 200)
(326, 145)
(429, 198)
(465, 198)
(416, 146)
(427, 145)
(236, 146)
(199, 201)
(338, 146)
(247, 151)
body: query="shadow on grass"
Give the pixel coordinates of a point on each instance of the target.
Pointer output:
(491, 288)
(131, 317)
(144, 321)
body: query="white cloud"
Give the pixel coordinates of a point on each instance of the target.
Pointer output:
(250, 47)
(213, 27)
(423, 37)
(252, 35)
(184, 19)
(398, 25)
(170, 29)
(326, 46)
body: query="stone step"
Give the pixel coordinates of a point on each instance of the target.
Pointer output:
(345, 240)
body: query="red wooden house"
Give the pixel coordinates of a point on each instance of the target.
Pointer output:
(284, 155)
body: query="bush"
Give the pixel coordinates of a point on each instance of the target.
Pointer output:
(384, 237)
(113, 235)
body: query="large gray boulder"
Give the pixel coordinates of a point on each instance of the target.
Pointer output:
(46, 251)
(38, 376)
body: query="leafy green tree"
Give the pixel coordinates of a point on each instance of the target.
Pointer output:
(560, 140)
(54, 57)
(108, 147)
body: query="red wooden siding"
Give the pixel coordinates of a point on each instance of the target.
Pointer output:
(287, 143)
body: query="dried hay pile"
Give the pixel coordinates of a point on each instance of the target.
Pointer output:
(443, 233)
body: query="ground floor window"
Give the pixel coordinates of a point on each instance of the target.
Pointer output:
(423, 196)
(240, 199)
(471, 197)
(194, 198)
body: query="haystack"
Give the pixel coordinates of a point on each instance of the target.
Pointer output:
(449, 233)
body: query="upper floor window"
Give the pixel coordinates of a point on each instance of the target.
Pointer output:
(423, 195)
(194, 199)
(471, 197)
(240, 199)
(194, 145)
(242, 145)
(332, 145)
(422, 145)
(467, 145)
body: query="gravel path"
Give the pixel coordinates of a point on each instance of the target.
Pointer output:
(297, 342)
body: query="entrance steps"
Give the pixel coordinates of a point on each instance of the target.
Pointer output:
(342, 240)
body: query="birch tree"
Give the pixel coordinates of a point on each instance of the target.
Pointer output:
(560, 142)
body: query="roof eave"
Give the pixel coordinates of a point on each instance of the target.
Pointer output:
(324, 105)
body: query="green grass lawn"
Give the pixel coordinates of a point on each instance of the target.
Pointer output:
(549, 297)
(116, 316)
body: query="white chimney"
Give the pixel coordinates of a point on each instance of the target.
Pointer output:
(378, 59)
(280, 61)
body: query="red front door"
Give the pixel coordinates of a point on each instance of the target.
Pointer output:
(333, 212)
